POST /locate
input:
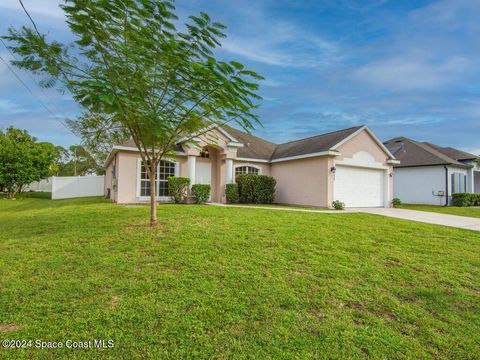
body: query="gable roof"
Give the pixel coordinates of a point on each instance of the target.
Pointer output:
(313, 144)
(415, 153)
(453, 153)
(256, 148)
(253, 146)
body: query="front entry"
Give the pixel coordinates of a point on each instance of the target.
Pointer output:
(203, 173)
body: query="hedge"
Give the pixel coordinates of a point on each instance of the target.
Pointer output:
(231, 192)
(256, 189)
(465, 199)
(178, 188)
(201, 193)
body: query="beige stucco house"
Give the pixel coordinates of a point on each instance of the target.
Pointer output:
(350, 165)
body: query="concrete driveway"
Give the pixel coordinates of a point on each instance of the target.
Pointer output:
(461, 222)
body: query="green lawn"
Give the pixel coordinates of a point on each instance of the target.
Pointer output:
(453, 210)
(230, 283)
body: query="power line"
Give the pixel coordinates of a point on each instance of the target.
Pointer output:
(33, 94)
(34, 81)
(33, 22)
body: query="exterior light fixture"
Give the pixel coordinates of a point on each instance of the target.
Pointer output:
(333, 169)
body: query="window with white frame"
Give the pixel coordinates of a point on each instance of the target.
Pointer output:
(164, 170)
(459, 183)
(246, 170)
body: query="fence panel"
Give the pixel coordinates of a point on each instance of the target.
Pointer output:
(77, 186)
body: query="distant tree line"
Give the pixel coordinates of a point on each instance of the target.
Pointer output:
(24, 160)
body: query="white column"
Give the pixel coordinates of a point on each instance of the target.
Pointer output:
(228, 171)
(192, 159)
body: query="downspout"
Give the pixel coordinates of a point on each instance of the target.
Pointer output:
(446, 184)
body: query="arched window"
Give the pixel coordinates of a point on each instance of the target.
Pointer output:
(246, 170)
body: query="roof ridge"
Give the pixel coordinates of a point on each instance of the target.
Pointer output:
(249, 134)
(435, 152)
(327, 133)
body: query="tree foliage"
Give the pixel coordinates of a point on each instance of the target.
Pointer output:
(77, 161)
(23, 160)
(136, 75)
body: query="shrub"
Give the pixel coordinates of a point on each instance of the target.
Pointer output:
(178, 188)
(231, 193)
(476, 200)
(201, 193)
(396, 202)
(256, 189)
(338, 205)
(462, 199)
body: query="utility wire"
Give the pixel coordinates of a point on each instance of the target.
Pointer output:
(51, 101)
(33, 94)
(33, 22)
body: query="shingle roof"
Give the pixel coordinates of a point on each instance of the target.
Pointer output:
(456, 154)
(415, 153)
(253, 146)
(257, 148)
(312, 144)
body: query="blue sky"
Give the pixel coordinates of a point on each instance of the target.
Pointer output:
(405, 67)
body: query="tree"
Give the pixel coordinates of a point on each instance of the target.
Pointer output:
(135, 73)
(23, 160)
(77, 161)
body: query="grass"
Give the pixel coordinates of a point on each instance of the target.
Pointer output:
(228, 283)
(452, 210)
(280, 206)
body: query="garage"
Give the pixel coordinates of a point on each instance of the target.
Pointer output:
(359, 187)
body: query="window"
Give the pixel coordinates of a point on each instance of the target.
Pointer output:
(204, 153)
(459, 183)
(246, 170)
(164, 170)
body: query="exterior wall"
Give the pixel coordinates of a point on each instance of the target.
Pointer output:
(362, 142)
(302, 182)
(127, 176)
(414, 185)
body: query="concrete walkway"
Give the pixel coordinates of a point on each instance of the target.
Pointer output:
(282, 208)
(461, 222)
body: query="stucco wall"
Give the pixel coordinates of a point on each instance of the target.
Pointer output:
(302, 182)
(127, 175)
(362, 142)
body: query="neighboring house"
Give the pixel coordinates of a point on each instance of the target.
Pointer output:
(430, 174)
(349, 165)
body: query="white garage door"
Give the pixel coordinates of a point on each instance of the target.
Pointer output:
(359, 187)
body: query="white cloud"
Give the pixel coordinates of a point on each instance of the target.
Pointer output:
(412, 72)
(281, 43)
(8, 106)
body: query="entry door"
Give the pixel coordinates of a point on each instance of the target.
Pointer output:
(203, 175)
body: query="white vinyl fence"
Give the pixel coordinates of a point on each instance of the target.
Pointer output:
(44, 185)
(77, 186)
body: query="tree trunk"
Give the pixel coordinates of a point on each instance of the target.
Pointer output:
(152, 170)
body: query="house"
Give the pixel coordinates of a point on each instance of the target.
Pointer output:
(350, 165)
(430, 174)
